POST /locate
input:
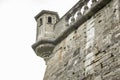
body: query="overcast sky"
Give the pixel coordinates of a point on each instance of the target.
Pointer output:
(17, 33)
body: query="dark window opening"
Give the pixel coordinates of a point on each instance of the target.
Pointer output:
(41, 22)
(49, 20)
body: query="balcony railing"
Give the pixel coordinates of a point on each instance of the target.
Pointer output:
(78, 11)
(75, 13)
(76, 16)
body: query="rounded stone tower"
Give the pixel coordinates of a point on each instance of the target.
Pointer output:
(45, 33)
(45, 24)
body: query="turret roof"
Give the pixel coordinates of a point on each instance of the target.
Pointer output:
(46, 12)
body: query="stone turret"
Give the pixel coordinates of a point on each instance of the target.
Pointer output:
(45, 32)
(45, 24)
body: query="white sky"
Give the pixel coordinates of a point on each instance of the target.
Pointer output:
(17, 33)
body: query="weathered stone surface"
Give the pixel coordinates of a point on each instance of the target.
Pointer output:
(89, 47)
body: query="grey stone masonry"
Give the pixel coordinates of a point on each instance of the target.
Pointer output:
(82, 45)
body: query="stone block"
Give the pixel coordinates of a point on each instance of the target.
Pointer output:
(114, 65)
(105, 70)
(97, 70)
(106, 56)
(108, 76)
(98, 78)
(107, 62)
(89, 61)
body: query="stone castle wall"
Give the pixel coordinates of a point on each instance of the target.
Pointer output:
(91, 51)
